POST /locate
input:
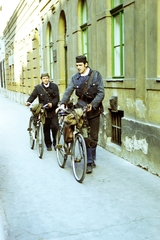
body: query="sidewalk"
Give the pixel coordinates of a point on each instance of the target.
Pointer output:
(118, 201)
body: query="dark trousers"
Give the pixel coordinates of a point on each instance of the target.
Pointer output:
(50, 126)
(94, 130)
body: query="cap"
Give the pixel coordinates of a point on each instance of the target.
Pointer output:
(44, 74)
(81, 58)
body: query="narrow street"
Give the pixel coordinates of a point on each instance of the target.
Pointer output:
(41, 201)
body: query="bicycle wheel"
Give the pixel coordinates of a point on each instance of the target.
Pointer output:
(40, 140)
(79, 158)
(60, 148)
(31, 130)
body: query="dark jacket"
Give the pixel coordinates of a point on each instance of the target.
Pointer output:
(49, 95)
(94, 94)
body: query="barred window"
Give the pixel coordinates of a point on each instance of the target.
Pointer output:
(116, 117)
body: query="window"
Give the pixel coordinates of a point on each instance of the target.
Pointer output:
(116, 117)
(84, 28)
(117, 38)
(51, 58)
(50, 50)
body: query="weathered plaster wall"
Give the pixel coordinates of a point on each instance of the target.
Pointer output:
(141, 144)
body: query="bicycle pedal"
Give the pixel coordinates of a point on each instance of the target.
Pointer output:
(68, 153)
(58, 146)
(77, 160)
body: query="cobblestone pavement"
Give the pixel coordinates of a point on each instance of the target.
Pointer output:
(41, 201)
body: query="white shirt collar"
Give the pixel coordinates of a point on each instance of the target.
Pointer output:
(46, 85)
(86, 73)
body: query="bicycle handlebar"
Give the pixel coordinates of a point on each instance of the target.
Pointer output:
(45, 106)
(31, 105)
(65, 111)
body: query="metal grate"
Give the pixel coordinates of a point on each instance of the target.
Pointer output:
(116, 126)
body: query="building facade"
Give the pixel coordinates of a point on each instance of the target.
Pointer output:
(121, 39)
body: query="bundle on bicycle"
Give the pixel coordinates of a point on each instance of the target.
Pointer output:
(35, 129)
(70, 141)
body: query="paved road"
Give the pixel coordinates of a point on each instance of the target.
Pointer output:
(41, 201)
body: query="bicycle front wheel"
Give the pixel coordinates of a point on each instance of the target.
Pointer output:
(79, 158)
(60, 148)
(40, 140)
(31, 130)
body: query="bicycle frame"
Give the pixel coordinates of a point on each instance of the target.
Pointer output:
(36, 131)
(76, 149)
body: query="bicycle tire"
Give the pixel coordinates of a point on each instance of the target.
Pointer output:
(79, 158)
(60, 148)
(31, 130)
(40, 140)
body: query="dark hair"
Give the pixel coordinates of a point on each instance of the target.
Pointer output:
(44, 74)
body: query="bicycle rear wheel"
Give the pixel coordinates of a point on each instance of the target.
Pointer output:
(31, 130)
(40, 140)
(79, 158)
(60, 148)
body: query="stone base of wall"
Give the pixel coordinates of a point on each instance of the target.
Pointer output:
(141, 144)
(16, 96)
(105, 135)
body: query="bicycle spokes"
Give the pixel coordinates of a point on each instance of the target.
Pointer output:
(60, 148)
(31, 129)
(79, 159)
(40, 140)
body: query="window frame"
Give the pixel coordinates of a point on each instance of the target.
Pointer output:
(84, 27)
(117, 64)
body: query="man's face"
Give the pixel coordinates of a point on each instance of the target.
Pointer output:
(81, 67)
(45, 80)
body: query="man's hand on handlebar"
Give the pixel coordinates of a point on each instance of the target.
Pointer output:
(27, 103)
(49, 105)
(62, 106)
(89, 107)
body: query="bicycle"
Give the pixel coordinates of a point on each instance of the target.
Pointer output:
(35, 129)
(75, 148)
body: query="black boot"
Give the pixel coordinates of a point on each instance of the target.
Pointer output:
(89, 160)
(94, 157)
